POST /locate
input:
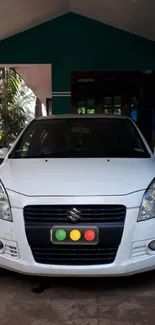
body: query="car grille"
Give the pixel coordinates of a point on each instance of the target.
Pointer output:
(74, 255)
(89, 213)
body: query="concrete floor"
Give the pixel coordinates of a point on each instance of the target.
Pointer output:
(125, 301)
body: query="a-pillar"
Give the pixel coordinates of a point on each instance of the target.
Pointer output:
(61, 90)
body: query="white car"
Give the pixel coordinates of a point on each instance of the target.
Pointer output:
(77, 198)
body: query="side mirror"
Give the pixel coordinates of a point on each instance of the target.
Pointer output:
(3, 154)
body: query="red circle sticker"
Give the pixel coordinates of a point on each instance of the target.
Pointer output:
(89, 235)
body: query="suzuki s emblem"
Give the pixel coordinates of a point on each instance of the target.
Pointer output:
(74, 215)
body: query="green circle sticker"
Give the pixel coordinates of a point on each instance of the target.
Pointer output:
(60, 234)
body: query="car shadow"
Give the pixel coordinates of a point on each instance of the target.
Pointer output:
(140, 282)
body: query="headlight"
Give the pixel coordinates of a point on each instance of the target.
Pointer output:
(5, 210)
(147, 209)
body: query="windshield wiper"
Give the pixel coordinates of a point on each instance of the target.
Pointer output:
(60, 154)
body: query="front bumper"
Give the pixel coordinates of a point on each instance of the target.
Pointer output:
(132, 256)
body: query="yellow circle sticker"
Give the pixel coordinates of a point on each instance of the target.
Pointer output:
(75, 235)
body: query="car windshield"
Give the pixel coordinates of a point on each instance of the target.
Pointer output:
(80, 137)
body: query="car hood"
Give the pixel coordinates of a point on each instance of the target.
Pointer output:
(66, 177)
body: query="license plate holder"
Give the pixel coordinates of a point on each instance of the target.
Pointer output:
(85, 233)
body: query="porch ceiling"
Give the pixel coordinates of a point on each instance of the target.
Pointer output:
(19, 15)
(135, 16)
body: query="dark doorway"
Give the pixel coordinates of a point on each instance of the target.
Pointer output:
(128, 93)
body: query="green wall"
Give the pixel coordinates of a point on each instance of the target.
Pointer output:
(73, 42)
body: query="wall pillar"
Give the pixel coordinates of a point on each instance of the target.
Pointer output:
(61, 90)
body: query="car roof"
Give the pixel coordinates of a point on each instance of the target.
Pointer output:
(80, 116)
